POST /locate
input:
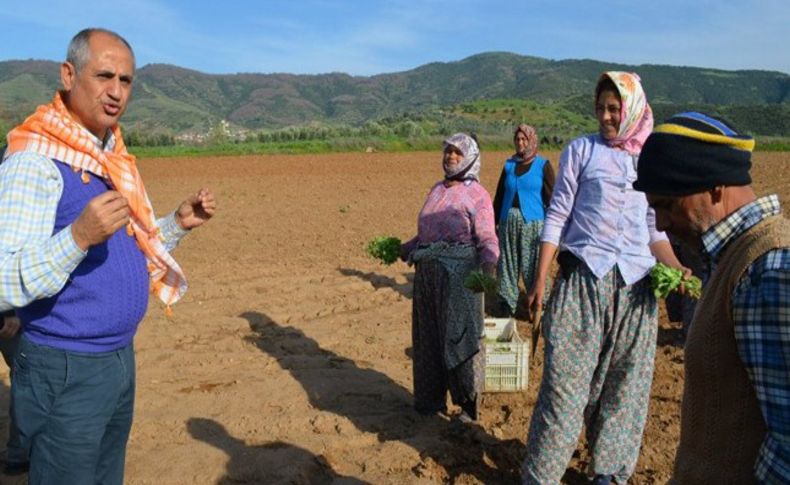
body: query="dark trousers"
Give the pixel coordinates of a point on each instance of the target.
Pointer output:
(8, 349)
(74, 412)
(432, 377)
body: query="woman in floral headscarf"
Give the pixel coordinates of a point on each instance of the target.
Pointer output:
(601, 321)
(522, 195)
(455, 235)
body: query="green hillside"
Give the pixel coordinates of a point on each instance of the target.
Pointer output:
(482, 90)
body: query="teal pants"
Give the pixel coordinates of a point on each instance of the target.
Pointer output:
(73, 411)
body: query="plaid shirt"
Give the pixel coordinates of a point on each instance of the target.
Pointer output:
(34, 262)
(761, 311)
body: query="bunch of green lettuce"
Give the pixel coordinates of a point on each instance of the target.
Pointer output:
(666, 279)
(384, 248)
(479, 282)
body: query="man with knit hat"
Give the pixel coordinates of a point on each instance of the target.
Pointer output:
(735, 419)
(80, 251)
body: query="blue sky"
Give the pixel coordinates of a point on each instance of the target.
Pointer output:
(372, 37)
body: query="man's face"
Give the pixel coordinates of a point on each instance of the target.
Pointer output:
(686, 217)
(99, 92)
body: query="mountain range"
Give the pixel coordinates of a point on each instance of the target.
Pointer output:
(180, 100)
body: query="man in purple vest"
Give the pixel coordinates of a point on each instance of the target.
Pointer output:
(79, 254)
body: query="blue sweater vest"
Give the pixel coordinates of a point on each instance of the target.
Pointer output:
(106, 297)
(529, 187)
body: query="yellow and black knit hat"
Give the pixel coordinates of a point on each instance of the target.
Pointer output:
(693, 152)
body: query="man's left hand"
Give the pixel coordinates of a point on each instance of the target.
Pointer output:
(196, 209)
(9, 328)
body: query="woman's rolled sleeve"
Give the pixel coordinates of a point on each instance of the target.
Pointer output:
(562, 197)
(485, 230)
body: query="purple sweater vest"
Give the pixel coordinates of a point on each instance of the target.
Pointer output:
(106, 297)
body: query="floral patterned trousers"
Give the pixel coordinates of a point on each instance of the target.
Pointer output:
(519, 243)
(600, 338)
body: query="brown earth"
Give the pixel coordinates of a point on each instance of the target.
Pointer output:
(288, 360)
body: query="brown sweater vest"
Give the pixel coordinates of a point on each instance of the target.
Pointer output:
(722, 426)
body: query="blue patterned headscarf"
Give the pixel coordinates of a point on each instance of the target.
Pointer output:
(469, 168)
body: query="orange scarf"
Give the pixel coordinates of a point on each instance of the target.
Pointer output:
(50, 131)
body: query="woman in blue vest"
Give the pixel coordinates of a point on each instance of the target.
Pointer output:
(522, 195)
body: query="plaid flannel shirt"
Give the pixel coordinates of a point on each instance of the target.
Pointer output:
(761, 312)
(34, 262)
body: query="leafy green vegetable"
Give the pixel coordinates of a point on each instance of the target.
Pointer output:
(384, 248)
(478, 282)
(666, 279)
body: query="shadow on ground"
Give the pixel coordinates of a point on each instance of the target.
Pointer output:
(382, 281)
(275, 462)
(375, 403)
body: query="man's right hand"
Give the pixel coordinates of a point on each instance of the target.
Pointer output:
(104, 214)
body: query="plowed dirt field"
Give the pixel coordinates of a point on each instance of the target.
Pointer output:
(288, 360)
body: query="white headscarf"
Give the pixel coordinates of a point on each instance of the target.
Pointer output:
(469, 168)
(636, 116)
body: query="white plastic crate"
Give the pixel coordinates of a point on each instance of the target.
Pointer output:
(507, 356)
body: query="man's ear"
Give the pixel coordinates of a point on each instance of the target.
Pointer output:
(716, 194)
(67, 75)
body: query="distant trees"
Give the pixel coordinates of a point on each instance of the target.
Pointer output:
(4, 129)
(409, 129)
(219, 134)
(494, 120)
(374, 128)
(140, 138)
(766, 120)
